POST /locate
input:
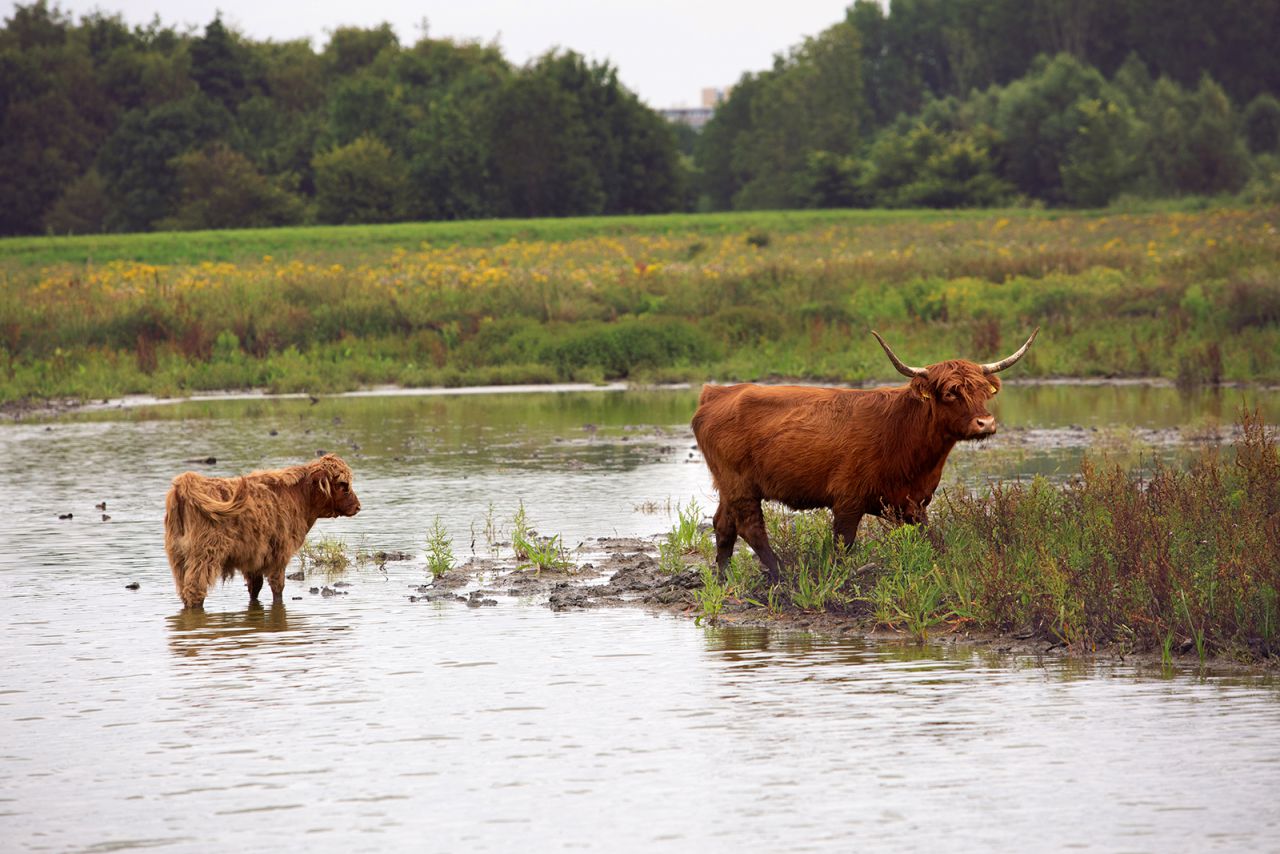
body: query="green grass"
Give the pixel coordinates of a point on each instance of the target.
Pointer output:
(688, 537)
(1193, 296)
(440, 557)
(327, 554)
(353, 242)
(1143, 557)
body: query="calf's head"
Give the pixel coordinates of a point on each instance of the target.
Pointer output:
(329, 486)
(957, 390)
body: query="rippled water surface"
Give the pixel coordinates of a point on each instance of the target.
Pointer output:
(365, 721)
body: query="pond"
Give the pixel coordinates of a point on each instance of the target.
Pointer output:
(366, 721)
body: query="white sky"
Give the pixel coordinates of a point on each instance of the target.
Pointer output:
(665, 51)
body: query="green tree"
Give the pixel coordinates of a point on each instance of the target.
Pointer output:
(351, 49)
(1039, 117)
(221, 189)
(218, 65)
(82, 208)
(542, 148)
(52, 114)
(1102, 160)
(1192, 142)
(811, 101)
(138, 161)
(359, 182)
(1262, 124)
(924, 167)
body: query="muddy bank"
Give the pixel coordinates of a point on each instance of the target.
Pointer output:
(624, 572)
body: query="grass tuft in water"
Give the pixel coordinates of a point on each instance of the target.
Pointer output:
(542, 553)
(328, 554)
(440, 557)
(689, 536)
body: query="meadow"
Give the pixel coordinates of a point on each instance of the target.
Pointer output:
(1190, 295)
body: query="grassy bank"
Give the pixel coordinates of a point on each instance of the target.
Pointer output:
(1149, 560)
(1191, 295)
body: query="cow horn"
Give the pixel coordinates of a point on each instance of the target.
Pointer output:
(905, 370)
(996, 367)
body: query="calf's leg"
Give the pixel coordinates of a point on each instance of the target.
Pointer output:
(195, 582)
(253, 580)
(276, 577)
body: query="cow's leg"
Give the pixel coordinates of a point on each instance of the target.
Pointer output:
(726, 535)
(751, 527)
(845, 526)
(253, 580)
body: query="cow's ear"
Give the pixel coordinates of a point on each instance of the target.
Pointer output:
(920, 388)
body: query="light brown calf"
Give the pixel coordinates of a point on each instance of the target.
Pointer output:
(214, 526)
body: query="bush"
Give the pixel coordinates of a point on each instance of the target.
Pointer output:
(1253, 300)
(219, 188)
(360, 182)
(1262, 124)
(622, 348)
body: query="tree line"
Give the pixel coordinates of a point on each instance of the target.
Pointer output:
(107, 127)
(964, 103)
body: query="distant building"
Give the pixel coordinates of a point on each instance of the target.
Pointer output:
(697, 117)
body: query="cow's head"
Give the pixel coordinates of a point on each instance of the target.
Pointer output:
(329, 484)
(957, 390)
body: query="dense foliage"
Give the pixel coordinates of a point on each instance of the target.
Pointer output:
(841, 123)
(108, 128)
(933, 103)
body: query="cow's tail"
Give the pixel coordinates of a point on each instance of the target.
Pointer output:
(193, 491)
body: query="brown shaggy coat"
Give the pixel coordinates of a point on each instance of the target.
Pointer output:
(875, 451)
(214, 526)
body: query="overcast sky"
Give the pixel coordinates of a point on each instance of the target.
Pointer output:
(665, 50)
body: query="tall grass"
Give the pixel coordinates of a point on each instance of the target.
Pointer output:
(1144, 557)
(1193, 296)
(440, 558)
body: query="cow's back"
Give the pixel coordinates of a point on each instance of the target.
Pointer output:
(777, 442)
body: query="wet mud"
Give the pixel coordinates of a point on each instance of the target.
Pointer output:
(614, 572)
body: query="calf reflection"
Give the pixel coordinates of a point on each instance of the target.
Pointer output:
(193, 633)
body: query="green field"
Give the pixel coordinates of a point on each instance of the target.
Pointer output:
(1192, 295)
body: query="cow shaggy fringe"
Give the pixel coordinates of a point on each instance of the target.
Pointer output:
(254, 524)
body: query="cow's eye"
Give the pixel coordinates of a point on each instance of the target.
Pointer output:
(948, 396)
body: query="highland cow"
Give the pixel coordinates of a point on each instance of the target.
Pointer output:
(856, 451)
(214, 526)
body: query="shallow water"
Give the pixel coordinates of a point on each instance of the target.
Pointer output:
(365, 721)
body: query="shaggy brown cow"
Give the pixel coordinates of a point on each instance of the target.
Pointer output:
(214, 526)
(877, 451)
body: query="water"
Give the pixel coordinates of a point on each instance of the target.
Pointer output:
(367, 722)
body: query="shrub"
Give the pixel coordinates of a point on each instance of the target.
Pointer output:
(628, 345)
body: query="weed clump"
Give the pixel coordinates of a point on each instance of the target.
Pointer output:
(440, 557)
